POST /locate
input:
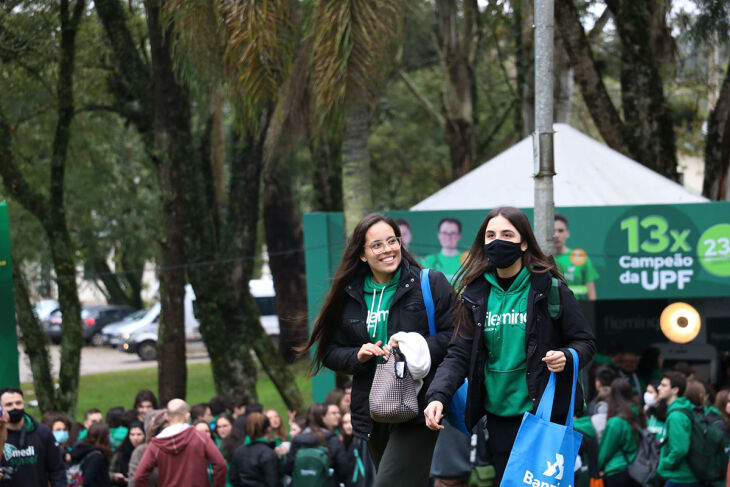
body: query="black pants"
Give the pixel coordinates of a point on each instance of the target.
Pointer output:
(620, 479)
(402, 453)
(502, 433)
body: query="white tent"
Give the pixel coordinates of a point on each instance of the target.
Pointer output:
(588, 174)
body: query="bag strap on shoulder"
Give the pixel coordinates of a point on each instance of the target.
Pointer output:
(554, 298)
(428, 301)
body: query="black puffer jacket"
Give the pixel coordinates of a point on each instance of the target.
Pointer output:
(339, 459)
(407, 313)
(255, 465)
(466, 357)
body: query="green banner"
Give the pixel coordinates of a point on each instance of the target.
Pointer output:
(9, 374)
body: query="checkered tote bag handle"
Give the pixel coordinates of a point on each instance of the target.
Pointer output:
(393, 394)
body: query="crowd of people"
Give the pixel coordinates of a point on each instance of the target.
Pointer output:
(634, 396)
(507, 324)
(225, 442)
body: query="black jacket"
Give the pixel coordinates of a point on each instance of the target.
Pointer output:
(94, 465)
(407, 313)
(255, 465)
(466, 357)
(339, 459)
(32, 451)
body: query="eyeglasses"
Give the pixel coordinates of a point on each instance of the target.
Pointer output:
(378, 247)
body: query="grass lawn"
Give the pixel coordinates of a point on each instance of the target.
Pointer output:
(104, 391)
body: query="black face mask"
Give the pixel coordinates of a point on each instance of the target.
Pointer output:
(16, 415)
(503, 253)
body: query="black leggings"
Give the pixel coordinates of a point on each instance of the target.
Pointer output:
(502, 433)
(620, 479)
(402, 453)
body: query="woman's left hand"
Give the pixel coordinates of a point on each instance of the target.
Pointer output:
(555, 360)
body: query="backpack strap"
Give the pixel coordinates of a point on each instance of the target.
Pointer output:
(428, 301)
(554, 298)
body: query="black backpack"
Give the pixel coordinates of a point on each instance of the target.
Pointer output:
(708, 448)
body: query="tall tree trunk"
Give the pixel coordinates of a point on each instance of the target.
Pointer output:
(646, 110)
(594, 92)
(717, 146)
(456, 49)
(563, 84)
(356, 193)
(110, 283)
(172, 142)
(524, 26)
(285, 242)
(326, 156)
(35, 342)
(51, 212)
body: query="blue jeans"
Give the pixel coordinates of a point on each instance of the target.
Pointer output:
(677, 484)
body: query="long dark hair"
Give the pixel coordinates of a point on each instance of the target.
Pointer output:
(351, 268)
(476, 263)
(98, 436)
(315, 421)
(621, 403)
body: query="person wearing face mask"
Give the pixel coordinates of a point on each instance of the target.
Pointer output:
(30, 449)
(376, 293)
(506, 341)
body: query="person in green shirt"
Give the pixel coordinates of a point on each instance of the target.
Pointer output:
(673, 464)
(507, 342)
(575, 266)
(449, 259)
(619, 443)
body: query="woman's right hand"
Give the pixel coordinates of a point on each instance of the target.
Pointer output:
(434, 413)
(369, 350)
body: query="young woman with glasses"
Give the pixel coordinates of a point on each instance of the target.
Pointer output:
(375, 293)
(506, 340)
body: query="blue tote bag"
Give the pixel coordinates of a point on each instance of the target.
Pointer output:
(544, 453)
(457, 406)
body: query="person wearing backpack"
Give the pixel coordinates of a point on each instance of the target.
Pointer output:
(376, 293)
(256, 464)
(709, 444)
(317, 457)
(92, 456)
(618, 446)
(508, 336)
(673, 464)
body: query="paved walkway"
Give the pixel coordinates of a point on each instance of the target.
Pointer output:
(104, 359)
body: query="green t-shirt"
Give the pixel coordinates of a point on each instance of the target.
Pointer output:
(378, 298)
(577, 276)
(442, 263)
(505, 372)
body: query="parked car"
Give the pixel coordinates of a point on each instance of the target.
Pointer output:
(143, 342)
(43, 310)
(94, 319)
(114, 334)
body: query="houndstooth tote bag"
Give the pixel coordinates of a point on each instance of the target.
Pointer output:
(393, 394)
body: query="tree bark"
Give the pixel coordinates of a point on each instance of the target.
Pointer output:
(594, 92)
(35, 343)
(327, 160)
(524, 27)
(172, 143)
(646, 111)
(285, 244)
(356, 193)
(456, 50)
(717, 146)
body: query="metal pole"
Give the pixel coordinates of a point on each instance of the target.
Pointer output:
(542, 138)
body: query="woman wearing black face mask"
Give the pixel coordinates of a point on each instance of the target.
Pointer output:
(503, 321)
